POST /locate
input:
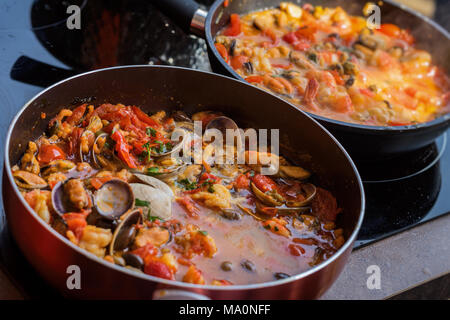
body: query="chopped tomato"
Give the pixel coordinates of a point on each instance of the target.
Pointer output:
(145, 251)
(390, 30)
(76, 222)
(49, 153)
(254, 79)
(306, 32)
(123, 149)
(208, 177)
(158, 269)
(238, 61)
(290, 37)
(141, 115)
(235, 26)
(226, 3)
(242, 182)
(270, 211)
(264, 183)
(222, 51)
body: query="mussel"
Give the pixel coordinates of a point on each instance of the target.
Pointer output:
(28, 180)
(113, 199)
(126, 231)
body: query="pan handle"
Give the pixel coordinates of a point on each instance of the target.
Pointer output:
(185, 13)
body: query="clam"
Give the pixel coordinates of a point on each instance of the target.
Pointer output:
(87, 140)
(309, 190)
(70, 196)
(113, 199)
(178, 133)
(223, 123)
(180, 116)
(282, 210)
(155, 183)
(269, 198)
(157, 202)
(28, 180)
(102, 156)
(125, 232)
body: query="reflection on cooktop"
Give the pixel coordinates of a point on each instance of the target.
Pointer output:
(402, 191)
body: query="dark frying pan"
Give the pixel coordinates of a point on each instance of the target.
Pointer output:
(170, 88)
(366, 142)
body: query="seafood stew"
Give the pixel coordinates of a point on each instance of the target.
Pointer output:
(106, 178)
(329, 63)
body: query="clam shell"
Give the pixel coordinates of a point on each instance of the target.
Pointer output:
(160, 203)
(155, 183)
(113, 199)
(125, 232)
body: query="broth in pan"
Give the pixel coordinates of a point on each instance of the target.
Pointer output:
(107, 179)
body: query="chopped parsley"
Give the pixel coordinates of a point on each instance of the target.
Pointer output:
(151, 132)
(203, 232)
(208, 183)
(147, 151)
(187, 184)
(153, 218)
(153, 171)
(141, 203)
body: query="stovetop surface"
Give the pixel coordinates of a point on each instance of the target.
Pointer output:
(400, 193)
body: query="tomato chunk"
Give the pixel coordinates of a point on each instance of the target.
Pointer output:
(158, 269)
(123, 149)
(235, 26)
(49, 153)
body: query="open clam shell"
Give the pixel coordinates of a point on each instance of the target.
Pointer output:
(103, 157)
(310, 192)
(155, 183)
(61, 200)
(159, 202)
(266, 198)
(126, 231)
(113, 199)
(179, 136)
(222, 123)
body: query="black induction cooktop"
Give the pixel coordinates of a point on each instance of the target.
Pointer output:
(36, 49)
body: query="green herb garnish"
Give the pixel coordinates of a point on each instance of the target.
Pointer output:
(141, 203)
(148, 151)
(187, 184)
(151, 132)
(153, 171)
(153, 218)
(203, 232)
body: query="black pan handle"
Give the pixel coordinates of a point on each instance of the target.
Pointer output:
(182, 12)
